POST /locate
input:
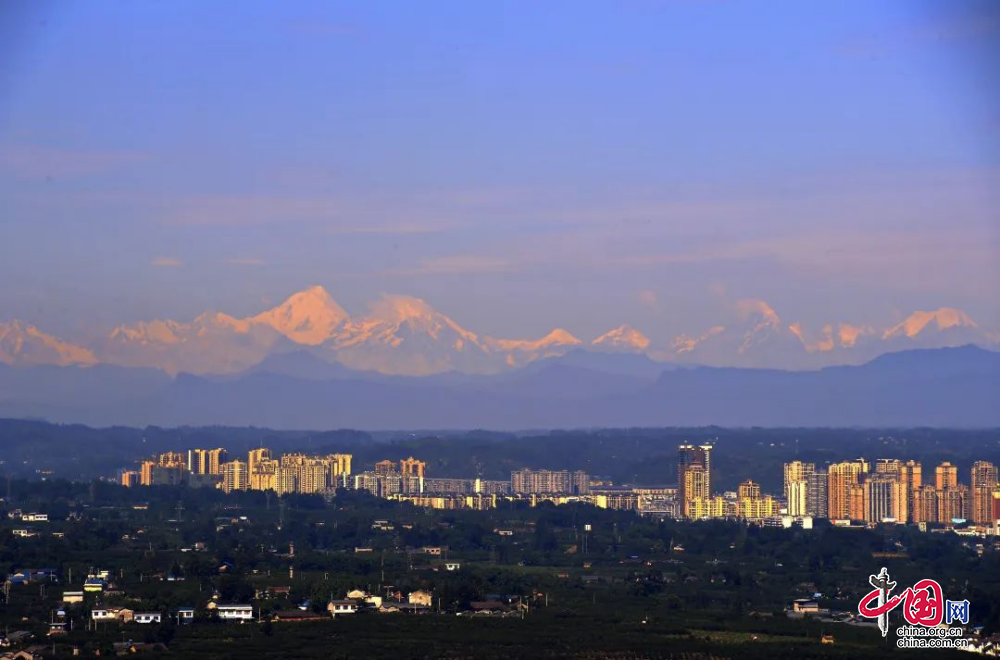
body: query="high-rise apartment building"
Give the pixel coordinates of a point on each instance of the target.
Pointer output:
(924, 504)
(206, 461)
(264, 474)
(885, 498)
(411, 467)
(197, 462)
(256, 456)
(166, 469)
(146, 472)
(340, 464)
(550, 481)
(695, 487)
(797, 499)
(752, 504)
(216, 458)
(843, 477)
(982, 485)
(954, 503)
(748, 488)
(314, 477)
(817, 490)
(383, 468)
(796, 491)
(689, 456)
(262, 469)
(888, 466)
(286, 479)
(911, 476)
(856, 505)
(235, 476)
(945, 475)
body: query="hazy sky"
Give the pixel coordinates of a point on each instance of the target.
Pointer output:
(520, 165)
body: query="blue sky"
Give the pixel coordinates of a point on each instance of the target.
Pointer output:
(519, 165)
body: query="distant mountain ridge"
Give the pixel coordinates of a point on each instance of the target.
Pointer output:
(949, 387)
(402, 335)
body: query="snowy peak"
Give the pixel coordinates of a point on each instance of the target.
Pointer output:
(556, 338)
(148, 332)
(622, 338)
(414, 315)
(849, 335)
(757, 311)
(843, 335)
(308, 317)
(408, 336)
(24, 344)
(559, 337)
(939, 319)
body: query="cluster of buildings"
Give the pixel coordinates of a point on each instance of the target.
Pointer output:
(696, 500)
(888, 490)
(892, 490)
(292, 473)
(405, 480)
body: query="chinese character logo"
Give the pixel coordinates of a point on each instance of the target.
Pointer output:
(957, 610)
(923, 603)
(885, 604)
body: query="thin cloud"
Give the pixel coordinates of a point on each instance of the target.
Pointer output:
(464, 263)
(388, 230)
(32, 161)
(166, 262)
(459, 264)
(247, 261)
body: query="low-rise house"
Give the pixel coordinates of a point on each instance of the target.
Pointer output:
(420, 597)
(275, 591)
(362, 595)
(488, 607)
(119, 614)
(233, 612)
(29, 575)
(452, 566)
(70, 597)
(339, 607)
(58, 627)
(184, 615)
(35, 517)
(93, 585)
(805, 606)
(148, 617)
(24, 533)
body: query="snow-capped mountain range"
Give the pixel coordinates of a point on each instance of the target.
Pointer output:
(406, 336)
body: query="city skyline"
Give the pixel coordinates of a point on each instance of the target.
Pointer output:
(883, 491)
